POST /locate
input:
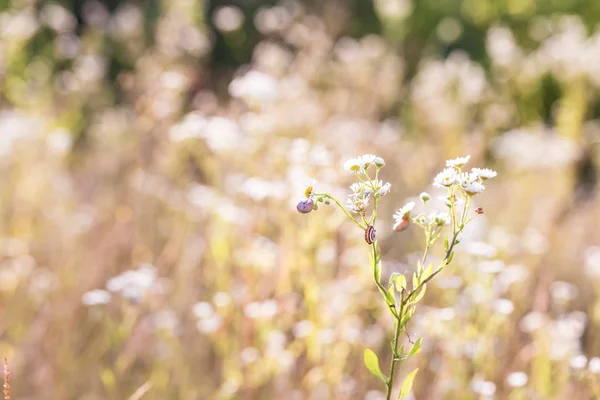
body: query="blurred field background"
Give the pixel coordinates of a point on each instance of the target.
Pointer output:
(152, 153)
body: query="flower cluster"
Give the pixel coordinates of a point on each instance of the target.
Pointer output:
(365, 193)
(470, 183)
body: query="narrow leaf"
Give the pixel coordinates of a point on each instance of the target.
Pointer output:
(372, 363)
(399, 282)
(427, 272)
(419, 295)
(450, 258)
(415, 281)
(407, 317)
(416, 348)
(407, 384)
(446, 244)
(393, 277)
(378, 271)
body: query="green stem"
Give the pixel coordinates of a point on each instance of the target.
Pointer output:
(390, 382)
(440, 268)
(379, 285)
(327, 195)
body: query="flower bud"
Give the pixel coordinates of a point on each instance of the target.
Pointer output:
(424, 197)
(379, 162)
(402, 224)
(479, 210)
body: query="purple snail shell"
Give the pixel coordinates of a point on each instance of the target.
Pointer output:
(305, 206)
(370, 234)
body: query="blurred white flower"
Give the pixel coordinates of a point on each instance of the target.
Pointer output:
(592, 261)
(484, 388)
(533, 321)
(59, 140)
(302, 329)
(578, 361)
(535, 148)
(594, 365)
(210, 324)
(503, 306)
(221, 299)
(481, 249)
(249, 355)
(517, 379)
(254, 87)
(458, 162)
(95, 297)
(563, 291)
(228, 18)
(134, 284)
(203, 309)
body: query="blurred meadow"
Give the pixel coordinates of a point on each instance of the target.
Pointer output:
(152, 154)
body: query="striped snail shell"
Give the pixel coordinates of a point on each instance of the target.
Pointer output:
(370, 234)
(305, 206)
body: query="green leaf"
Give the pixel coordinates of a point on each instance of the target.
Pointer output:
(407, 316)
(377, 271)
(446, 244)
(450, 258)
(393, 277)
(372, 363)
(419, 295)
(416, 348)
(399, 281)
(400, 350)
(407, 384)
(427, 272)
(389, 297)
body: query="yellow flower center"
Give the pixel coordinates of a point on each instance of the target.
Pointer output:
(308, 191)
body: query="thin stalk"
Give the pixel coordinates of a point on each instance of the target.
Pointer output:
(390, 382)
(379, 285)
(327, 195)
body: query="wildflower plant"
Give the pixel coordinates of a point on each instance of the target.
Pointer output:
(403, 292)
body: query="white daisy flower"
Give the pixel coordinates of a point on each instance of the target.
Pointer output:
(385, 189)
(439, 218)
(484, 173)
(368, 160)
(446, 178)
(458, 162)
(357, 204)
(358, 187)
(354, 165)
(404, 211)
(472, 188)
(379, 162)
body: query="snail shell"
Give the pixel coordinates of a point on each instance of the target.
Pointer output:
(370, 234)
(305, 206)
